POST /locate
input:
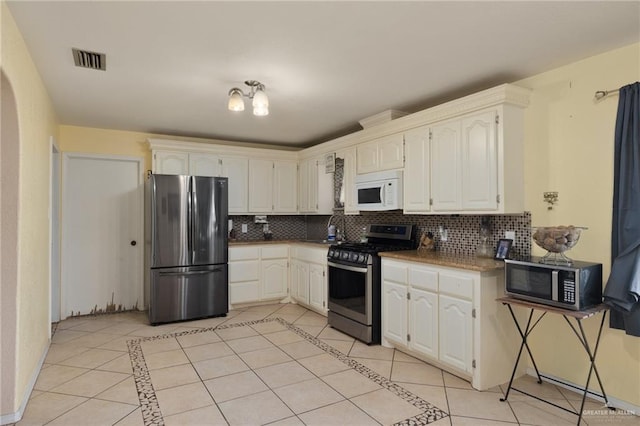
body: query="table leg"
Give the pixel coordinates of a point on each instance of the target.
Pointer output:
(523, 345)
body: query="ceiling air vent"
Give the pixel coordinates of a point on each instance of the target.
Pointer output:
(91, 60)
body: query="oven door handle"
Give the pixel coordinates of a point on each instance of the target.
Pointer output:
(348, 268)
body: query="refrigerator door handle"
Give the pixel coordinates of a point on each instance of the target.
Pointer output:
(190, 211)
(209, 271)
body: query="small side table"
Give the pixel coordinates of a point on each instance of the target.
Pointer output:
(578, 330)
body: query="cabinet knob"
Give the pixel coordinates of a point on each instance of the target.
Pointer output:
(133, 242)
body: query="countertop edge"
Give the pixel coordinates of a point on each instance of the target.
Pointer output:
(470, 263)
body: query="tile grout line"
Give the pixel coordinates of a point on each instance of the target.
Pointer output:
(152, 414)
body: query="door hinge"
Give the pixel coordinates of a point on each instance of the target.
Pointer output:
(498, 198)
(323, 273)
(430, 134)
(430, 201)
(323, 304)
(408, 296)
(473, 363)
(408, 337)
(497, 119)
(220, 161)
(473, 313)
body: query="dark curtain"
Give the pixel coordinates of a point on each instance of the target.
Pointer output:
(622, 292)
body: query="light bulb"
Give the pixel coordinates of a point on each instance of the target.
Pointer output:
(260, 99)
(236, 103)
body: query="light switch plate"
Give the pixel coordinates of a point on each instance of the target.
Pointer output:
(510, 235)
(244, 228)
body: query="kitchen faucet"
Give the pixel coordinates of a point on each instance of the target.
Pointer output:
(341, 234)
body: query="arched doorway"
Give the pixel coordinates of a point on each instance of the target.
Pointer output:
(9, 179)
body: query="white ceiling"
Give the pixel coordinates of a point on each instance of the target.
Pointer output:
(326, 65)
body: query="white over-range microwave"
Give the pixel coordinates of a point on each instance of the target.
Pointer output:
(379, 191)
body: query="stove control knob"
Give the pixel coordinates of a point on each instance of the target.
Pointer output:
(362, 258)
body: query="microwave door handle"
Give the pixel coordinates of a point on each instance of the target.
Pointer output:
(554, 285)
(382, 195)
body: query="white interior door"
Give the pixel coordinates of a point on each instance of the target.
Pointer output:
(102, 233)
(55, 233)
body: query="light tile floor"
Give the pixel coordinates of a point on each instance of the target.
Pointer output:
(262, 374)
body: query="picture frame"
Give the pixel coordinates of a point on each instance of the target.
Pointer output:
(503, 248)
(330, 163)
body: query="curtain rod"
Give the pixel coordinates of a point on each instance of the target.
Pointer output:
(602, 93)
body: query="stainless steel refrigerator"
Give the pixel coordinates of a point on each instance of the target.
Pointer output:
(189, 248)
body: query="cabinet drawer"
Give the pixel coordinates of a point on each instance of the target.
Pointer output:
(456, 285)
(244, 271)
(275, 252)
(396, 272)
(244, 292)
(423, 278)
(243, 253)
(310, 254)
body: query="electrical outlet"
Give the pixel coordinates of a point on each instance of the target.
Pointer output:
(510, 235)
(244, 228)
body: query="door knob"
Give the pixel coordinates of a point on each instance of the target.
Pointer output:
(133, 243)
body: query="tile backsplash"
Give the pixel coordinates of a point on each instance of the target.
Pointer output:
(463, 230)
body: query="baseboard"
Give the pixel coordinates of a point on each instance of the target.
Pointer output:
(619, 404)
(17, 416)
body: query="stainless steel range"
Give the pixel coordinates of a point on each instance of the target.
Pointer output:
(355, 280)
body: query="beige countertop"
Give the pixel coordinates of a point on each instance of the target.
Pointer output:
(461, 261)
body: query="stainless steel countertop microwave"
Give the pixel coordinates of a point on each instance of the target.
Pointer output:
(577, 286)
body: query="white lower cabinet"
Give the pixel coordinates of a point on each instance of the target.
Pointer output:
(308, 277)
(449, 317)
(456, 338)
(258, 273)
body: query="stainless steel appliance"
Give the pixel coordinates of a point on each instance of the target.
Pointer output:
(189, 248)
(355, 280)
(379, 190)
(577, 287)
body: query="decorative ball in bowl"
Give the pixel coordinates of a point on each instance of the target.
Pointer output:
(557, 239)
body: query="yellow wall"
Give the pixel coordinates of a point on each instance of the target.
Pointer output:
(37, 122)
(569, 148)
(104, 141)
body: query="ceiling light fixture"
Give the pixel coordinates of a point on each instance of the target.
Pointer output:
(256, 93)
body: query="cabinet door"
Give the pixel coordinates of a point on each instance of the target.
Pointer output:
(275, 278)
(317, 287)
(367, 157)
(312, 186)
(423, 322)
(237, 170)
(445, 167)
(204, 165)
(170, 163)
(479, 162)
(417, 171)
(298, 281)
(303, 187)
(285, 195)
(260, 186)
(394, 312)
(349, 180)
(456, 332)
(391, 152)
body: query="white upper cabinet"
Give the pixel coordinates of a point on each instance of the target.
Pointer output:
(445, 167)
(381, 154)
(237, 170)
(285, 189)
(349, 180)
(479, 162)
(315, 187)
(204, 164)
(260, 185)
(417, 171)
(170, 163)
(273, 186)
